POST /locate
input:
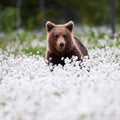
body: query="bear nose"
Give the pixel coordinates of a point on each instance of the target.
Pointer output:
(61, 44)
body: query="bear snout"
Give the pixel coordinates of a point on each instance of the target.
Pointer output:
(61, 44)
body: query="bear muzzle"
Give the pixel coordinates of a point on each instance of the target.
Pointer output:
(60, 47)
(61, 44)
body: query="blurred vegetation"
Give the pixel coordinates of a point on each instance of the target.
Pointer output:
(22, 23)
(32, 42)
(34, 13)
(7, 19)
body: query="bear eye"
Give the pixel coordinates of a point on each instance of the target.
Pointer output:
(64, 36)
(56, 36)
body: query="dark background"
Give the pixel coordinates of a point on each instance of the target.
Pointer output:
(32, 14)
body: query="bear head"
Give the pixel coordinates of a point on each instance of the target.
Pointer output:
(60, 37)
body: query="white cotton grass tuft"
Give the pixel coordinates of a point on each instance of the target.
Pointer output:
(29, 90)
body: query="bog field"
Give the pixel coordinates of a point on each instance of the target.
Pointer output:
(30, 91)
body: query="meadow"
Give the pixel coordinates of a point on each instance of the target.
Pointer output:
(30, 91)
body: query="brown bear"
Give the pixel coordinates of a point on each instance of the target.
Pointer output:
(62, 44)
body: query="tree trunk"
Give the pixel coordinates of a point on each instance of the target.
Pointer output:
(18, 14)
(112, 6)
(42, 7)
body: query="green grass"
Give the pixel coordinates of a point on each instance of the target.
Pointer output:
(32, 42)
(36, 50)
(22, 41)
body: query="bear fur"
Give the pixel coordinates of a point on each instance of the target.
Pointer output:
(62, 44)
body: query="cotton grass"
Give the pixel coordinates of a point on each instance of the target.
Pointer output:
(30, 91)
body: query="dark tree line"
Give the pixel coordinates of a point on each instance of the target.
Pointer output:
(32, 14)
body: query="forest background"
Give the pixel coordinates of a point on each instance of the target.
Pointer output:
(32, 14)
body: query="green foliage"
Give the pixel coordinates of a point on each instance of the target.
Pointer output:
(89, 12)
(31, 42)
(35, 50)
(23, 42)
(7, 19)
(30, 11)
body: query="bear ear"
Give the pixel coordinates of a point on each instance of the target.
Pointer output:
(49, 26)
(69, 25)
